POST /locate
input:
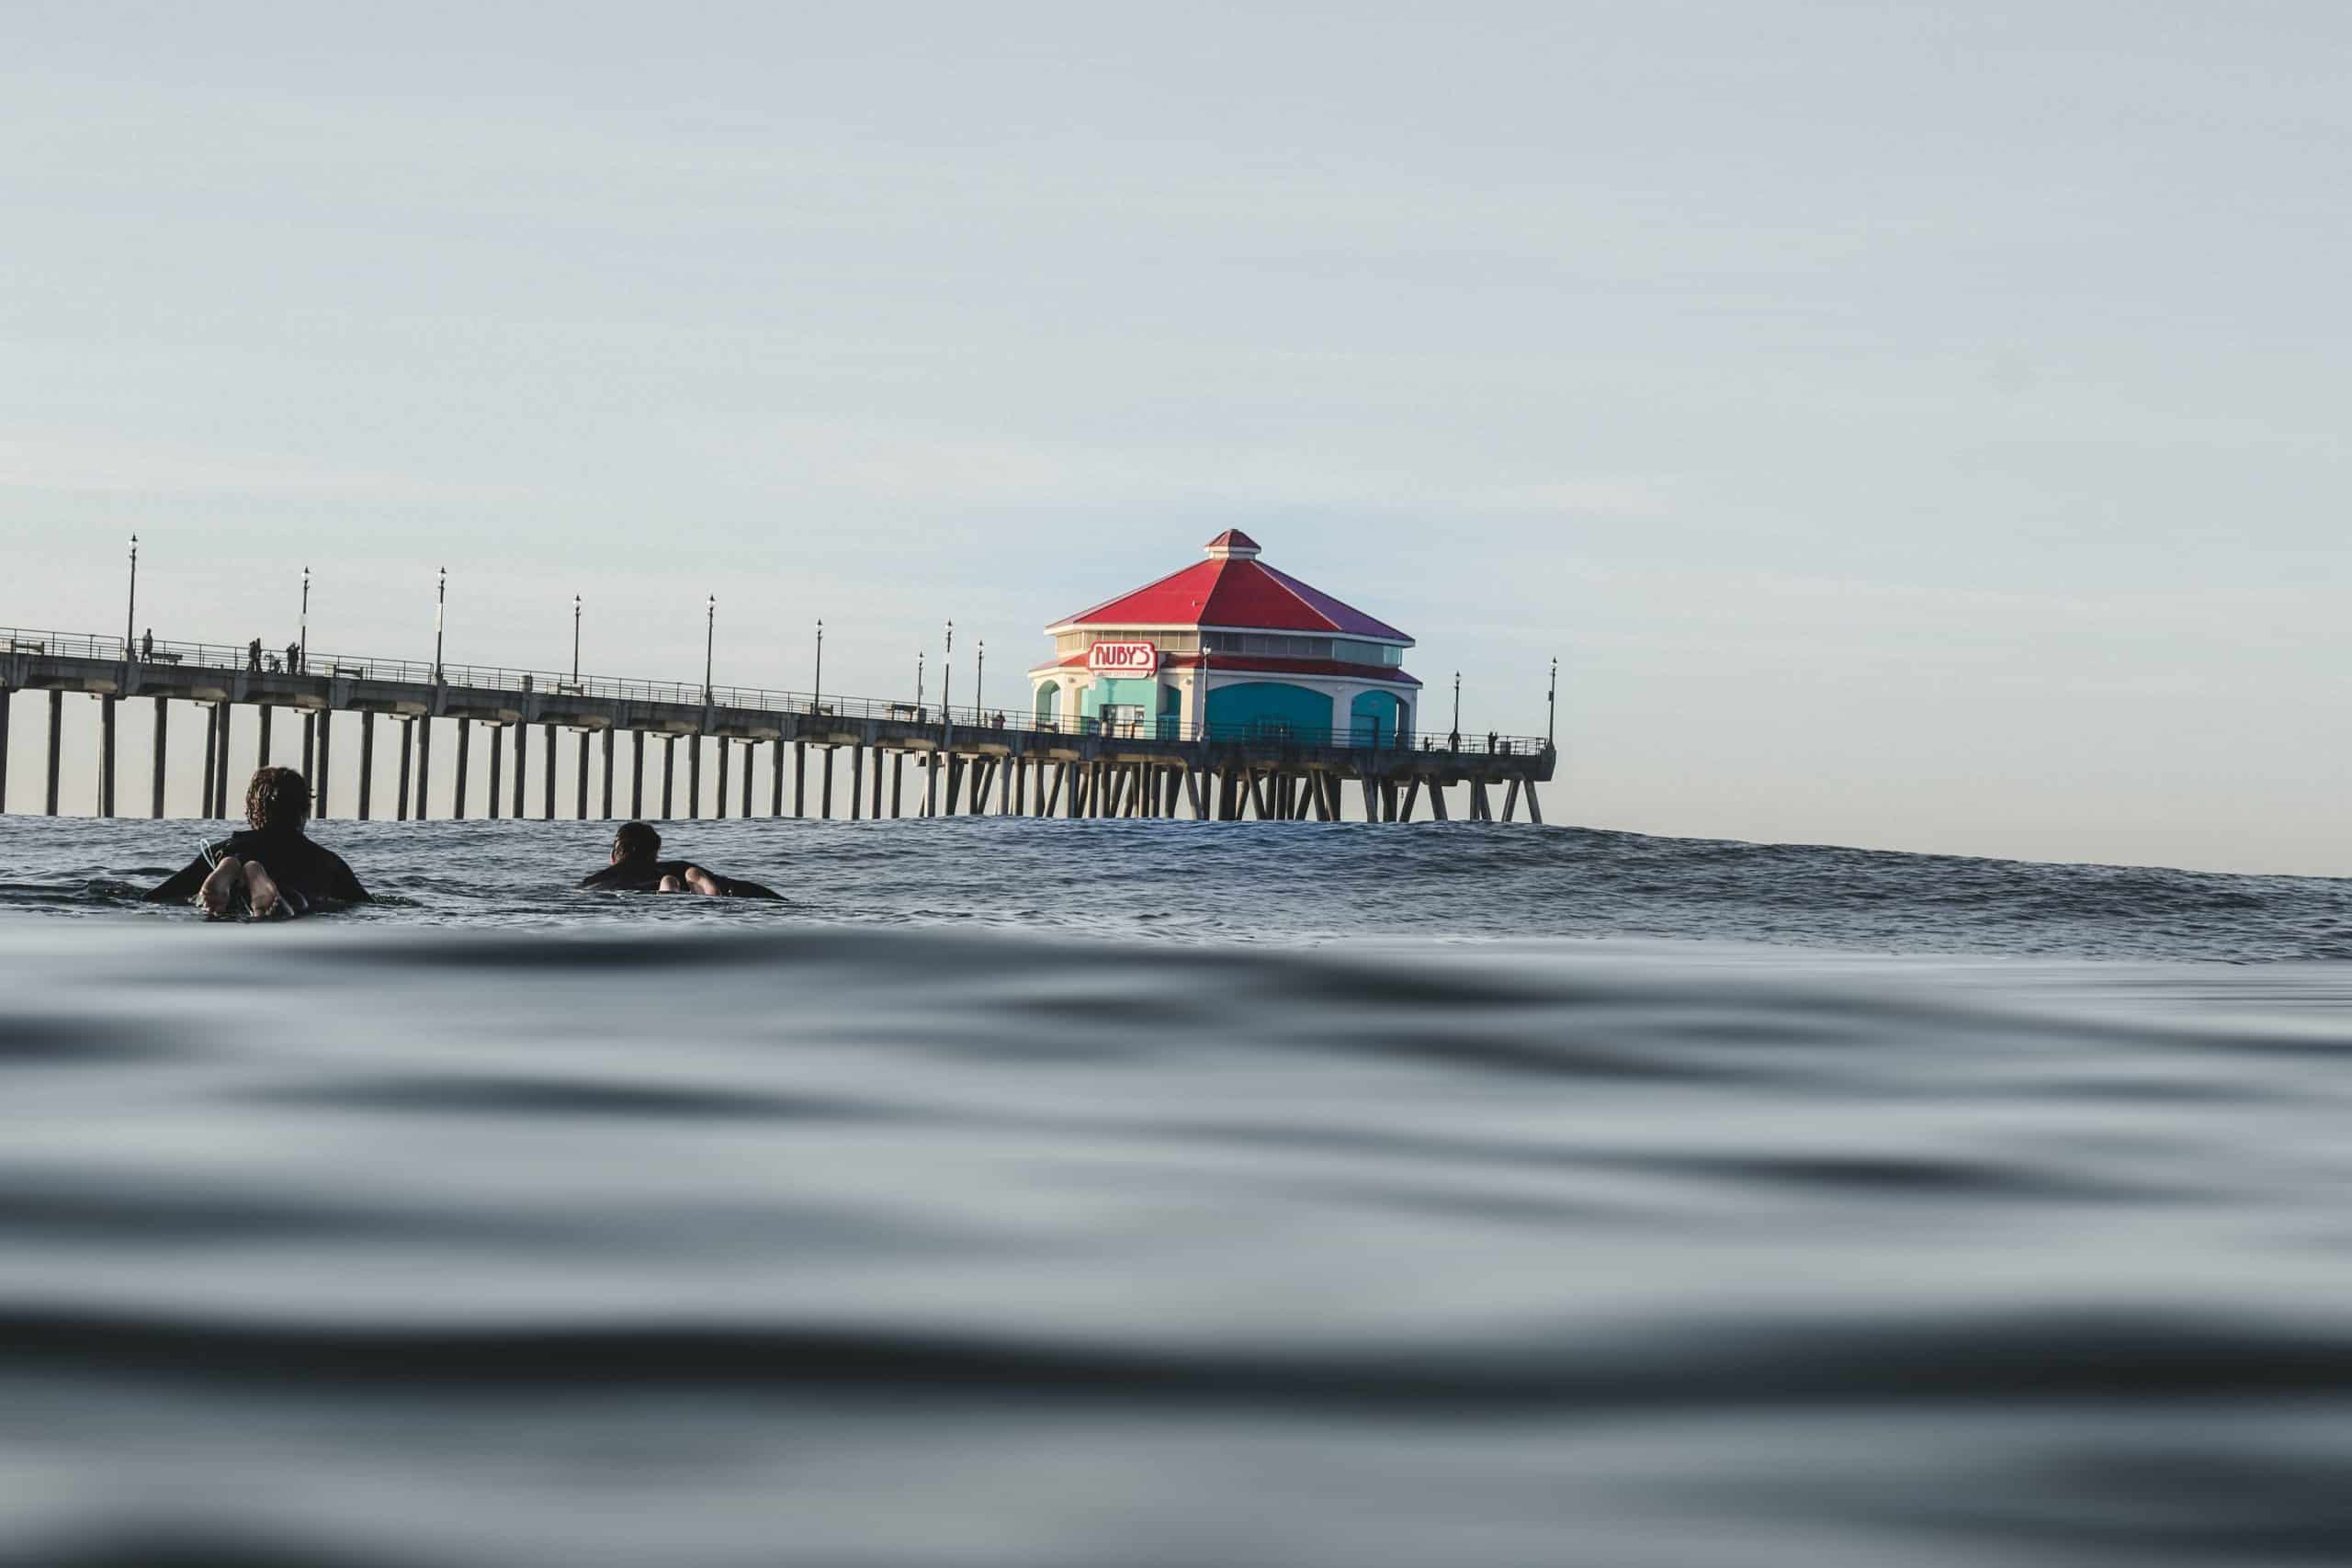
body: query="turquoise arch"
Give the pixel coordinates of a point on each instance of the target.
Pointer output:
(1377, 718)
(1270, 708)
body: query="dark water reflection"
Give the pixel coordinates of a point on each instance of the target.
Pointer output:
(511, 1227)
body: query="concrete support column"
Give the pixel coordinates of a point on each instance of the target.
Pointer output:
(721, 811)
(326, 738)
(6, 694)
(607, 749)
(750, 750)
(775, 777)
(931, 783)
(105, 756)
(828, 811)
(669, 772)
(163, 727)
(261, 742)
(800, 778)
(497, 771)
(310, 745)
(423, 766)
(56, 743)
(522, 759)
(579, 774)
(464, 752)
(408, 745)
(856, 782)
(212, 739)
(637, 774)
(694, 776)
(546, 768)
(898, 777)
(367, 762)
(875, 808)
(221, 713)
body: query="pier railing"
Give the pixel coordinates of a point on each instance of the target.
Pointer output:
(965, 720)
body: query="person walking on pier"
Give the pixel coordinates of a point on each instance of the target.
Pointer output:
(271, 868)
(637, 868)
(147, 646)
(294, 659)
(253, 656)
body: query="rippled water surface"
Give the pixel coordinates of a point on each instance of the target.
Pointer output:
(1162, 1194)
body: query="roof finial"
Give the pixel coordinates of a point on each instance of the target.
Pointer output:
(1233, 545)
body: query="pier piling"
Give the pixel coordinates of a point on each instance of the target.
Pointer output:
(222, 712)
(546, 768)
(56, 743)
(497, 769)
(637, 774)
(669, 772)
(105, 756)
(522, 762)
(408, 743)
(366, 761)
(464, 752)
(694, 776)
(423, 765)
(261, 741)
(326, 741)
(162, 731)
(827, 808)
(721, 812)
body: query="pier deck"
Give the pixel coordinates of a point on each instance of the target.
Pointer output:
(967, 760)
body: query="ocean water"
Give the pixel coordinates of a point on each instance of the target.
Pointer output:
(1162, 1194)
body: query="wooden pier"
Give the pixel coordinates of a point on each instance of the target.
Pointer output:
(845, 758)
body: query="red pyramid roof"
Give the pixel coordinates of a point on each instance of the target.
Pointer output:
(1234, 590)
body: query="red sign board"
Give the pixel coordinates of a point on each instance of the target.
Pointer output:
(1123, 659)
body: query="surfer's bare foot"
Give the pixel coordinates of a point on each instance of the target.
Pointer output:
(700, 881)
(260, 891)
(221, 886)
(671, 884)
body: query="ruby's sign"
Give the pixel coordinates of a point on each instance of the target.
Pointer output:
(1121, 658)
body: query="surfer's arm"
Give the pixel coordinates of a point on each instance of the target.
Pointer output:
(183, 886)
(343, 885)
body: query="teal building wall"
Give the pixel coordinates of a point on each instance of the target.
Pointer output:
(1270, 704)
(1377, 718)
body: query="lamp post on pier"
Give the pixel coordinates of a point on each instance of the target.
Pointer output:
(918, 680)
(575, 639)
(130, 610)
(817, 697)
(709, 641)
(947, 678)
(980, 678)
(303, 627)
(440, 613)
(1454, 735)
(1552, 705)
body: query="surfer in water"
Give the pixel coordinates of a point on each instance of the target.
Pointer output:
(637, 868)
(272, 868)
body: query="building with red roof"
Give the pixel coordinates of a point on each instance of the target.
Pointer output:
(1233, 643)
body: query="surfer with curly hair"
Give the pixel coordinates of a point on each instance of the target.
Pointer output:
(273, 868)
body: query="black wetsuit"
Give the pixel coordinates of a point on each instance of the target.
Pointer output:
(310, 875)
(645, 876)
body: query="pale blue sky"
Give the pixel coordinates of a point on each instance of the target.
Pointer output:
(1915, 426)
